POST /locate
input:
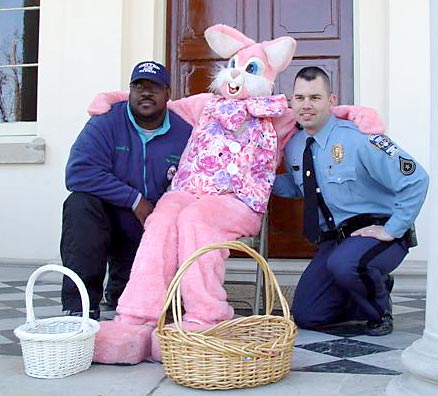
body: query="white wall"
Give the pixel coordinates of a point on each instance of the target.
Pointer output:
(90, 46)
(144, 32)
(371, 54)
(392, 74)
(409, 91)
(82, 52)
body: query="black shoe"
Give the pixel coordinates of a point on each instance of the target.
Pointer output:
(381, 328)
(94, 313)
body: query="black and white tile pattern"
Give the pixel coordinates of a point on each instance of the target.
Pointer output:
(339, 349)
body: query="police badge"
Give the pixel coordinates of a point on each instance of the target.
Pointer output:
(337, 153)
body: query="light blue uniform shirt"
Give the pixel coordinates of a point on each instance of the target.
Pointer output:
(357, 173)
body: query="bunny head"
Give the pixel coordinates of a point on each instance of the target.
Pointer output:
(252, 67)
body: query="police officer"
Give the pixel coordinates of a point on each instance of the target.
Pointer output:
(367, 193)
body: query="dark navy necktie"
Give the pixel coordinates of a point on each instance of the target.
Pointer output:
(311, 221)
(312, 198)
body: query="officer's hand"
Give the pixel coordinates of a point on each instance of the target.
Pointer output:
(143, 210)
(374, 231)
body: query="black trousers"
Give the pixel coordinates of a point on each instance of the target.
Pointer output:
(95, 234)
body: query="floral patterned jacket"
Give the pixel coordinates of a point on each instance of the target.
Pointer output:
(233, 149)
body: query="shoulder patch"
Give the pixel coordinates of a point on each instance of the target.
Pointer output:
(384, 143)
(407, 166)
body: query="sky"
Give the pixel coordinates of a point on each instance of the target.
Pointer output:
(10, 22)
(11, 27)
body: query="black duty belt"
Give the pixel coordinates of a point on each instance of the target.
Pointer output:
(364, 220)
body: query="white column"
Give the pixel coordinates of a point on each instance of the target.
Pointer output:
(421, 358)
(144, 34)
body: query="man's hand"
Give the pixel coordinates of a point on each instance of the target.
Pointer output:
(143, 210)
(374, 231)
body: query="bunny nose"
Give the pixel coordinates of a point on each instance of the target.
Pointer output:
(235, 73)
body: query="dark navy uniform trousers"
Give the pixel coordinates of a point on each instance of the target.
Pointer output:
(346, 281)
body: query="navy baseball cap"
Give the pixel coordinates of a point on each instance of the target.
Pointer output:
(149, 70)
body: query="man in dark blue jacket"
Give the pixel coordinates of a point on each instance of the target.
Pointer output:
(120, 165)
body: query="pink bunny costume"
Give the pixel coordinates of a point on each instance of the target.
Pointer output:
(219, 193)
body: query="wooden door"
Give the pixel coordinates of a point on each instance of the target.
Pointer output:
(323, 30)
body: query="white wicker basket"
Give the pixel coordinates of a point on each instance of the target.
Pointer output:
(60, 346)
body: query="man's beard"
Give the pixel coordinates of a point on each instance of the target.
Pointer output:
(141, 119)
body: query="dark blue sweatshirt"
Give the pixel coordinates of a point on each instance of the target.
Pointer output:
(107, 158)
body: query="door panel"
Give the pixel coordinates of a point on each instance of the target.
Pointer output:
(190, 59)
(306, 19)
(323, 30)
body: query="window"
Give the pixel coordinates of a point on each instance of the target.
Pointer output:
(19, 31)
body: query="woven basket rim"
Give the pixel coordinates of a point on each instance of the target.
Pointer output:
(22, 332)
(87, 326)
(209, 337)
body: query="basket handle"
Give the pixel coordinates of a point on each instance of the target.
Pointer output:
(30, 316)
(174, 291)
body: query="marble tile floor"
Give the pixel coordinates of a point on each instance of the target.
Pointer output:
(332, 362)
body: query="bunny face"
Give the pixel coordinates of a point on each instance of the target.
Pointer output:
(243, 78)
(252, 67)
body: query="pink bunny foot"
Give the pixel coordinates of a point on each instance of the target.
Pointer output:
(188, 325)
(122, 343)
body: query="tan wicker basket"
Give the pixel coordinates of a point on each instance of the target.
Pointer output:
(60, 346)
(238, 353)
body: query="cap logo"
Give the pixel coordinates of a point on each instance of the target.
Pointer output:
(148, 68)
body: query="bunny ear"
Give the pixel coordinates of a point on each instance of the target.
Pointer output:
(280, 52)
(226, 41)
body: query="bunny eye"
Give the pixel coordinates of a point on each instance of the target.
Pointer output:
(232, 63)
(254, 67)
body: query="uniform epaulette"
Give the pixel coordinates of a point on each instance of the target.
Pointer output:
(345, 123)
(347, 126)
